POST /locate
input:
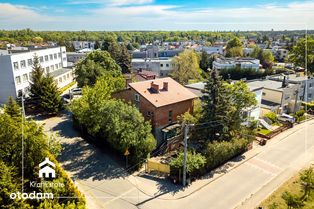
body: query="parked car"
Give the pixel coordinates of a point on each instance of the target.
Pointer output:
(286, 118)
(76, 91)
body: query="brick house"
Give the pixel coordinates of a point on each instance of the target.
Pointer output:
(160, 101)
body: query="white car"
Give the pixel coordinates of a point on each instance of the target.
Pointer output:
(287, 118)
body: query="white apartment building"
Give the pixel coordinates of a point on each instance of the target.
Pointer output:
(16, 69)
(161, 66)
(243, 63)
(213, 49)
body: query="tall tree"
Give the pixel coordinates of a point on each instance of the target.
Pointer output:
(217, 106)
(43, 91)
(204, 62)
(12, 108)
(301, 54)
(97, 45)
(95, 65)
(186, 67)
(234, 48)
(124, 59)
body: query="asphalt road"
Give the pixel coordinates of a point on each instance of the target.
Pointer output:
(106, 185)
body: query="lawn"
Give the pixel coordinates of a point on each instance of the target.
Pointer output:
(275, 201)
(263, 131)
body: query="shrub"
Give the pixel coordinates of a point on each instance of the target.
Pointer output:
(195, 162)
(272, 116)
(218, 153)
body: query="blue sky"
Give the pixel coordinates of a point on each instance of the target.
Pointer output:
(156, 14)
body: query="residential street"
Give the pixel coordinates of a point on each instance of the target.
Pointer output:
(106, 185)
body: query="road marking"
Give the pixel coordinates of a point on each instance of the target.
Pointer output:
(264, 165)
(119, 197)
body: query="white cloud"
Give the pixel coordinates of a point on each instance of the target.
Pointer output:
(111, 2)
(126, 16)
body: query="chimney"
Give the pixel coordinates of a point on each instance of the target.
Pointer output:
(154, 87)
(284, 82)
(128, 80)
(165, 86)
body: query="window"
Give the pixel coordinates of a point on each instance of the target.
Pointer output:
(29, 62)
(27, 90)
(19, 93)
(64, 77)
(23, 64)
(50, 56)
(47, 70)
(311, 85)
(41, 59)
(30, 76)
(63, 52)
(167, 65)
(25, 77)
(55, 56)
(170, 116)
(310, 96)
(60, 65)
(161, 65)
(137, 97)
(150, 114)
(18, 80)
(52, 68)
(60, 80)
(16, 65)
(264, 94)
(59, 54)
(46, 58)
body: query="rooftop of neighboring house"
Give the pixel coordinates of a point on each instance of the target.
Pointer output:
(61, 71)
(151, 59)
(21, 50)
(197, 88)
(293, 77)
(268, 84)
(246, 60)
(163, 91)
(142, 75)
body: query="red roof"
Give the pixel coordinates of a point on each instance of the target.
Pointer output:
(163, 96)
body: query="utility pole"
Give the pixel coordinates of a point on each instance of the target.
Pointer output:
(296, 103)
(186, 130)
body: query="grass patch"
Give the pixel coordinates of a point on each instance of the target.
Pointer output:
(263, 131)
(275, 200)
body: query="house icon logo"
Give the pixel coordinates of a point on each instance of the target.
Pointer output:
(45, 170)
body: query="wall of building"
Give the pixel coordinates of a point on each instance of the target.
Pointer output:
(272, 95)
(7, 83)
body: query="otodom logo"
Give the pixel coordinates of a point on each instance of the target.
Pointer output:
(45, 170)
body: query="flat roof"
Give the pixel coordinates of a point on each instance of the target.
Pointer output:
(59, 72)
(269, 84)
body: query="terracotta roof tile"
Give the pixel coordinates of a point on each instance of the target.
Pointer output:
(175, 93)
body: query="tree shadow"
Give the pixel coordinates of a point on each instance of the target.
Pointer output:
(82, 158)
(85, 161)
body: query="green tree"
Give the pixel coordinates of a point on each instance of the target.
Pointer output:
(292, 200)
(216, 107)
(204, 61)
(224, 104)
(95, 65)
(43, 91)
(97, 45)
(299, 52)
(124, 59)
(186, 67)
(234, 48)
(266, 57)
(194, 163)
(120, 124)
(307, 182)
(12, 108)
